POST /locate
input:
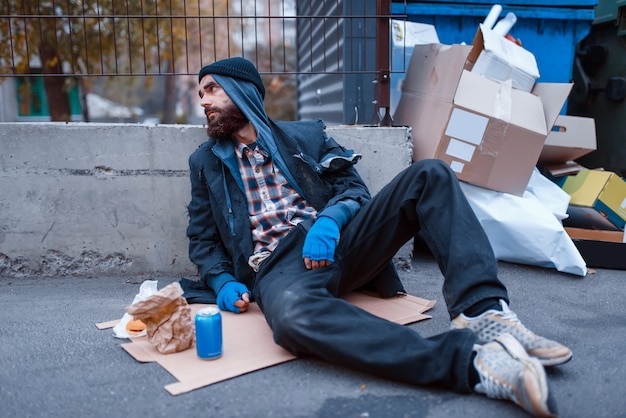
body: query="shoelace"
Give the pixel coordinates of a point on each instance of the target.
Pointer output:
(495, 389)
(509, 315)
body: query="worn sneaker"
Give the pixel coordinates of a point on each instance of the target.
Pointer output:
(506, 371)
(488, 325)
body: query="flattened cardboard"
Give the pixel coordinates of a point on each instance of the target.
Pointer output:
(108, 324)
(559, 171)
(603, 249)
(249, 345)
(440, 97)
(597, 235)
(571, 138)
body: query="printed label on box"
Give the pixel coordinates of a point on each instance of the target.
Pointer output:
(466, 126)
(461, 150)
(457, 166)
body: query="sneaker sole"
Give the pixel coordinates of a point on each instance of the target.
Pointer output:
(548, 362)
(545, 406)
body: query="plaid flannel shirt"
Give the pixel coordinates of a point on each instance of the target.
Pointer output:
(274, 206)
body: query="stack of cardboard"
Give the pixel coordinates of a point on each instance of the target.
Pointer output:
(479, 108)
(597, 207)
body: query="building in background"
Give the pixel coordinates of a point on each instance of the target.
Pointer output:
(337, 61)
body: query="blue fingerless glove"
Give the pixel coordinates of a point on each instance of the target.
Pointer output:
(230, 293)
(321, 240)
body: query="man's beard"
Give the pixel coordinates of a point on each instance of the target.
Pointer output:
(226, 122)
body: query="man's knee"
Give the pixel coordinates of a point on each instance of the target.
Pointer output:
(434, 166)
(289, 319)
(432, 171)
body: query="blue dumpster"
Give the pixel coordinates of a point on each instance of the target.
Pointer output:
(550, 31)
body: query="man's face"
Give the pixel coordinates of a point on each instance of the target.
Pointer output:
(223, 117)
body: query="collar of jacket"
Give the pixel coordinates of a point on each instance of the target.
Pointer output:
(225, 151)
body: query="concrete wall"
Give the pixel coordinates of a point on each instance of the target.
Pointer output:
(107, 199)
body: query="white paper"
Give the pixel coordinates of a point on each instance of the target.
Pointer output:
(146, 289)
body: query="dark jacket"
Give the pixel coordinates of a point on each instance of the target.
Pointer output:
(219, 231)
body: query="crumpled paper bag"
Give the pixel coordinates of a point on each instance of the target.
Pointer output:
(528, 229)
(168, 320)
(147, 289)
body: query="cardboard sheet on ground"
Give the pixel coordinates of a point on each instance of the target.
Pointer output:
(248, 343)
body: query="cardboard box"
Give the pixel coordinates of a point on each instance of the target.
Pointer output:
(603, 249)
(598, 200)
(498, 59)
(489, 133)
(570, 138)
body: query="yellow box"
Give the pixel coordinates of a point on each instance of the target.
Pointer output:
(601, 191)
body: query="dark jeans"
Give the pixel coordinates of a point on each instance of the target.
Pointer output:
(308, 318)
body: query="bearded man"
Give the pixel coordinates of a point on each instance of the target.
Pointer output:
(279, 215)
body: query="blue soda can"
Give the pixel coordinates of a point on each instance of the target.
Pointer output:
(208, 323)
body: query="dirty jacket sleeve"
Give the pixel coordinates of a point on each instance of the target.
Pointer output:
(206, 249)
(332, 184)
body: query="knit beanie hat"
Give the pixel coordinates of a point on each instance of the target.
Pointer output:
(236, 67)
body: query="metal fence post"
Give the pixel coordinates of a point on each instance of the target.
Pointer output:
(383, 84)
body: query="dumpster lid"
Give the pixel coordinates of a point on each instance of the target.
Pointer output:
(533, 3)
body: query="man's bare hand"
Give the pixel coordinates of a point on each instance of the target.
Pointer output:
(315, 264)
(243, 303)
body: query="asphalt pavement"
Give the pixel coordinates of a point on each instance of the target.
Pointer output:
(54, 362)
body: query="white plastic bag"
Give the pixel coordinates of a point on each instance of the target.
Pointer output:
(528, 229)
(147, 289)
